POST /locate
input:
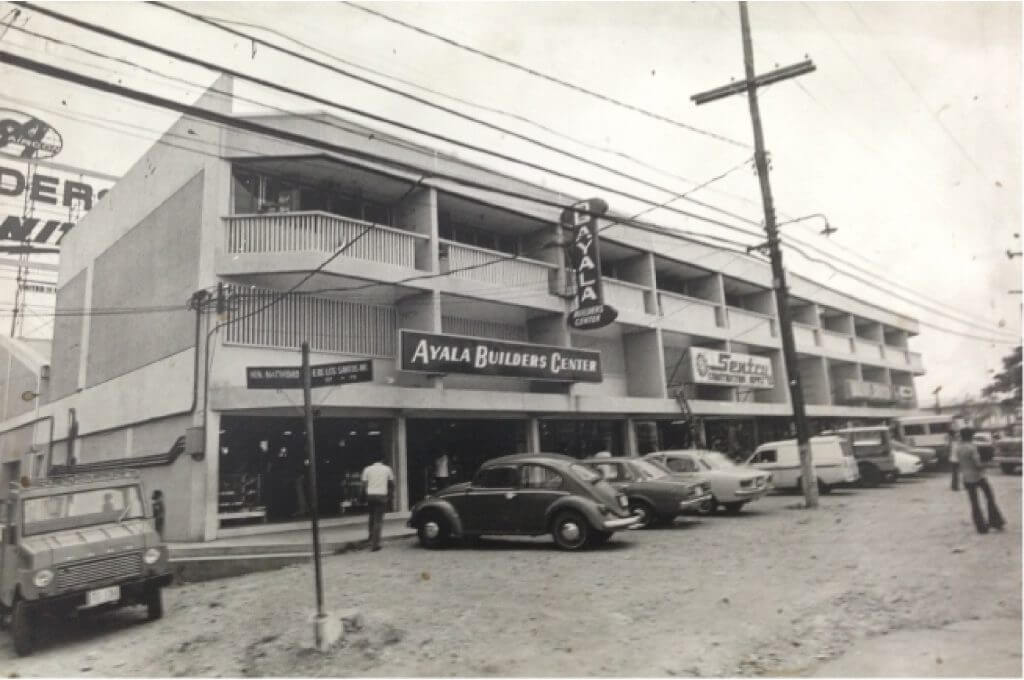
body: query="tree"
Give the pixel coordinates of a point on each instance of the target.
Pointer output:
(1006, 385)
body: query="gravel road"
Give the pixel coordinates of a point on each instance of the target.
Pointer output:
(889, 581)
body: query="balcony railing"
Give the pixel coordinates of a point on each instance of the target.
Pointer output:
(804, 336)
(688, 312)
(494, 267)
(320, 232)
(624, 294)
(747, 326)
(836, 342)
(867, 349)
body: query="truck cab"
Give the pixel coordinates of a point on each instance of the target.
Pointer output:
(77, 542)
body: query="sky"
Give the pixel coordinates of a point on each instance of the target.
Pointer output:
(906, 137)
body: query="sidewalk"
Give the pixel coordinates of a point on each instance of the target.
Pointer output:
(239, 552)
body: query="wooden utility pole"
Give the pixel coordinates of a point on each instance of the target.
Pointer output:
(314, 510)
(750, 85)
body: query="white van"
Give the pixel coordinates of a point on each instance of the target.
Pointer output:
(832, 456)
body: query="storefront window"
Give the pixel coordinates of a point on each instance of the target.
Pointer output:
(582, 438)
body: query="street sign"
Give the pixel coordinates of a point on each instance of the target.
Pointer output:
(322, 375)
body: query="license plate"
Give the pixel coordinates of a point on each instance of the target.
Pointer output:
(102, 596)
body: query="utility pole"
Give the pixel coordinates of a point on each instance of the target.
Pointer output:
(750, 85)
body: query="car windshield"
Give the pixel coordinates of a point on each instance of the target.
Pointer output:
(649, 471)
(714, 460)
(585, 473)
(80, 509)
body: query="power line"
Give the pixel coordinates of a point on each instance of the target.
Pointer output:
(552, 79)
(941, 311)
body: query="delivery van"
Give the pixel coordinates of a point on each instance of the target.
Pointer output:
(834, 463)
(872, 447)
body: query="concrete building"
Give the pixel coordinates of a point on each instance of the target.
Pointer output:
(439, 257)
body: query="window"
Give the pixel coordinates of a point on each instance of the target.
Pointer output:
(81, 509)
(247, 192)
(612, 472)
(913, 429)
(681, 465)
(539, 477)
(766, 456)
(939, 428)
(497, 478)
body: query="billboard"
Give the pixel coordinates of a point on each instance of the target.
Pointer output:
(590, 310)
(732, 369)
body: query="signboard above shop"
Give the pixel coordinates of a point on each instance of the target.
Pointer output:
(590, 311)
(321, 375)
(863, 390)
(443, 353)
(719, 367)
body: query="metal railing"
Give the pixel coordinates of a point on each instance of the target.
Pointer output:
(494, 267)
(320, 232)
(624, 294)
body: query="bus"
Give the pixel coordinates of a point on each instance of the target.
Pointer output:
(927, 430)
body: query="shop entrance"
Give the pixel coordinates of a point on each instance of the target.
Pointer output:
(264, 466)
(582, 438)
(444, 451)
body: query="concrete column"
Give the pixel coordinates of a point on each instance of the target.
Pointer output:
(632, 446)
(645, 364)
(829, 387)
(401, 459)
(418, 213)
(533, 435)
(83, 342)
(421, 312)
(205, 483)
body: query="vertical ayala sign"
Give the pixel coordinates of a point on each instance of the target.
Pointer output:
(590, 311)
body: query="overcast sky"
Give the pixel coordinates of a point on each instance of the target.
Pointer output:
(907, 137)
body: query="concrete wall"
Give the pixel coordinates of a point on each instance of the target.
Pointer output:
(67, 338)
(154, 264)
(19, 372)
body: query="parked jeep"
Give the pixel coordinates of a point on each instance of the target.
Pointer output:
(77, 542)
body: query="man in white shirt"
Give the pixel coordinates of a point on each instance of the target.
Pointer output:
(378, 485)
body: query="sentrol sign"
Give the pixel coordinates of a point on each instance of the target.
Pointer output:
(443, 353)
(590, 311)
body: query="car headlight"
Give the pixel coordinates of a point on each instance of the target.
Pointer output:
(151, 556)
(42, 578)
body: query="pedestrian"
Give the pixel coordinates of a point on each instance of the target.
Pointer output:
(973, 472)
(953, 463)
(441, 470)
(158, 511)
(378, 486)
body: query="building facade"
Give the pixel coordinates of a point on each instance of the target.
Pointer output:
(452, 282)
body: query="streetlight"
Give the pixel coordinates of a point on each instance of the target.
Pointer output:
(828, 230)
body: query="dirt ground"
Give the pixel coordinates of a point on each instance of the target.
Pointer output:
(890, 581)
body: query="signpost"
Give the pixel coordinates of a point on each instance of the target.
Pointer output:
(306, 377)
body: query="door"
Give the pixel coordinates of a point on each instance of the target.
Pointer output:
(487, 506)
(539, 487)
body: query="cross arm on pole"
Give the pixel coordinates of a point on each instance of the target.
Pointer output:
(775, 76)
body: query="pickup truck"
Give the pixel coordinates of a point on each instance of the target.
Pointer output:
(1008, 454)
(77, 542)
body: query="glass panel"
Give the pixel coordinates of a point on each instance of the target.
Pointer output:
(246, 187)
(81, 509)
(539, 477)
(498, 478)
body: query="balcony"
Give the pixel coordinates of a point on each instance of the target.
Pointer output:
(482, 265)
(804, 338)
(836, 343)
(689, 314)
(320, 232)
(624, 295)
(916, 364)
(867, 350)
(751, 327)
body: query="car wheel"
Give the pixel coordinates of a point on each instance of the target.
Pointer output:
(734, 508)
(709, 506)
(570, 531)
(644, 511)
(154, 604)
(599, 538)
(823, 488)
(433, 531)
(23, 628)
(869, 475)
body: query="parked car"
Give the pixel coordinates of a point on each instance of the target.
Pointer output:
(907, 463)
(1008, 454)
(929, 457)
(872, 447)
(526, 494)
(834, 462)
(654, 494)
(985, 442)
(732, 486)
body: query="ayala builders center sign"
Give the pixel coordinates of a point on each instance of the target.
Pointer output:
(718, 367)
(443, 353)
(590, 311)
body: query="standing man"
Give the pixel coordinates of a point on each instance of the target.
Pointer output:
(378, 485)
(441, 470)
(953, 463)
(973, 472)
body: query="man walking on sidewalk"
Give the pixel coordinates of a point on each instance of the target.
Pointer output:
(972, 471)
(378, 485)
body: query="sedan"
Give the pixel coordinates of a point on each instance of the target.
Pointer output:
(527, 494)
(927, 455)
(653, 493)
(732, 486)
